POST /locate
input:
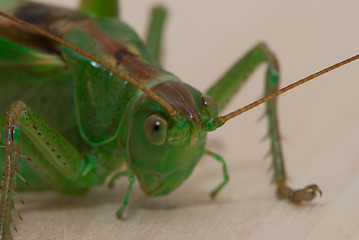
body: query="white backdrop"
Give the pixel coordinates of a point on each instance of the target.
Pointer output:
(319, 123)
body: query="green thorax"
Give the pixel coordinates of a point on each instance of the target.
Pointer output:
(100, 97)
(106, 107)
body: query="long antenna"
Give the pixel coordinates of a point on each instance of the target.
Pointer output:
(147, 91)
(222, 119)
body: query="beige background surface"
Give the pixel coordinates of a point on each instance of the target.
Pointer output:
(319, 122)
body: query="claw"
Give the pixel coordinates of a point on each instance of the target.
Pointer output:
(306, 194)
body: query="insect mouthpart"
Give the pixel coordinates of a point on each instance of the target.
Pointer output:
(180, 131)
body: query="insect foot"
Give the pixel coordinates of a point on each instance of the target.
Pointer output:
(296, 196)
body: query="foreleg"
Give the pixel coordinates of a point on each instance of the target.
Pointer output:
(231, 83)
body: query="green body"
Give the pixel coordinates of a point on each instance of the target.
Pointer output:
(99, 118)
(78, 122)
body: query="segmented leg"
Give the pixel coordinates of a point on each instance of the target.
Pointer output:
(272, 83)
(53, 158)
(8, 184)
(131, 179)
(225, 173)
(154, 33)
(107, 8)
(230, 84)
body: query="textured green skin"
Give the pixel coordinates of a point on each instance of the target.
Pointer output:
(112, 134)
(112, 137)
(92, 121)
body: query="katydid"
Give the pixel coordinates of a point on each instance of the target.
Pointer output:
(108, 121)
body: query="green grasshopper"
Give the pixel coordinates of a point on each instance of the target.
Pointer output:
(108, 122)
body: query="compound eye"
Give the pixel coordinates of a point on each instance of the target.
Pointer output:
(155, 129)
(210, 105)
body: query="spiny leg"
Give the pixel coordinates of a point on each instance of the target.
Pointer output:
(155, 32)
(8, 184)
(309, 192)
(107, 8)
(225, 173)
(53, 158)
(224, 90)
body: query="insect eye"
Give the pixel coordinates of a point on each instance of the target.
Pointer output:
(210, 105)
(155, 129)
(204, 101)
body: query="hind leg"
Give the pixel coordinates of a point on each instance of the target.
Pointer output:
(53, 159)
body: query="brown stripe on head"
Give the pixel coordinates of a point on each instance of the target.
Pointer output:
(124, 57)
(180, 98)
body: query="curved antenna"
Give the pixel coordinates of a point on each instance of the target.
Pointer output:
(147, 91)
(215, 123)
